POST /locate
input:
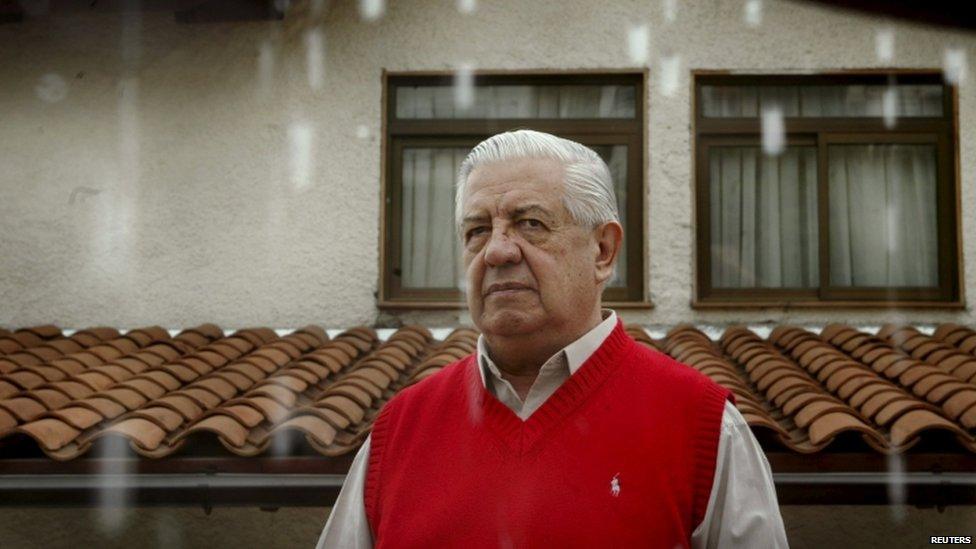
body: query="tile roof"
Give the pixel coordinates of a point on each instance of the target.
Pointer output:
(800, 391)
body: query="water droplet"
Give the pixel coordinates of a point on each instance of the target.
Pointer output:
(639, 44)
(896, 486)
(884, 45)
(371, 10)
(467, 6)
(315, 58)
(51, 88)
(889, 107)
(282, 443)
(464, 87)
(114, 494)
(954, 65)
(670, 8)
(265, 67)
(752, 12)
(773, 131)
(301, 138)
(670, 74)
(129, 128)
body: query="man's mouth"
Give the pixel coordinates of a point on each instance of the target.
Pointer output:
(506, 288)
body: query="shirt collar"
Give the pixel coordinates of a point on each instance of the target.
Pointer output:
(576, 352)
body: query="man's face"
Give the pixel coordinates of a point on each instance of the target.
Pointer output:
(529, 266)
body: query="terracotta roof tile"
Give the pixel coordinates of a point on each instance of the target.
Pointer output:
(256, 392)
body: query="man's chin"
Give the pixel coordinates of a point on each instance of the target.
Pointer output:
(509, 322)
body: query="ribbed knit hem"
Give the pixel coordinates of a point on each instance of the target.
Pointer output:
(708, 425)
(377, 449)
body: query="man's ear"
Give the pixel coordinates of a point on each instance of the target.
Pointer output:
(609, 239)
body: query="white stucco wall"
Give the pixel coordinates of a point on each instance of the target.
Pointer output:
(177, 151)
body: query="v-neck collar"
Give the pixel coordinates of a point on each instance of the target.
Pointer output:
(522, 435)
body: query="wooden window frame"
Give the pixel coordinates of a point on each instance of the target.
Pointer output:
(400, 133)
(821, 132)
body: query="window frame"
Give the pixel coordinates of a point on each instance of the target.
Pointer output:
(401, 133)
(821, 132)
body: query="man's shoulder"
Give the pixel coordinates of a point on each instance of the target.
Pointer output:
(661, 369)
(439, 384)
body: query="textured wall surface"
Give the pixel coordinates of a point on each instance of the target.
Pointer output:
(150, 174)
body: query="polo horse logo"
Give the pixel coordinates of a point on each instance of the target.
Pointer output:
(615, 485)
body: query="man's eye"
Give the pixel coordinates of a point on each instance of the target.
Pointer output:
(531, 223)
(475, 232)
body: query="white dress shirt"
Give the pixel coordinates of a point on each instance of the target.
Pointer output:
(742, 509)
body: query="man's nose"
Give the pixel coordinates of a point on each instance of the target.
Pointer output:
(500, 249)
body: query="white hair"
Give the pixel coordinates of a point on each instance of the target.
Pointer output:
(588, 188)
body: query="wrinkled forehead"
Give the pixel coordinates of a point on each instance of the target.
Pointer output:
(503, 187)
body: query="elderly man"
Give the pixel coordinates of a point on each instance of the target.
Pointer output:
(560, 431)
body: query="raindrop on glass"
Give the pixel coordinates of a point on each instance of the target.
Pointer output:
(281, 444)
(670, 8)
(315, 58)
(51, 88)
(639, 44)
(464, 87)
(301, 137)
(670, 73)
(467, 6)
(884, 45)
(265, 66)
(773, 130)
(129, 128)
(896, 486)
(889, 107)
(115, 485)
(954, 65)
(371, 10)
(752, 12)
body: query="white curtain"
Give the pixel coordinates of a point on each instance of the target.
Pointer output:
(571, 101)
(430, 250)
(821, 101)
(883, 225)
(763, 218)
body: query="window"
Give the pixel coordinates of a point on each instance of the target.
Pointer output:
(826, 189)
(431, 125)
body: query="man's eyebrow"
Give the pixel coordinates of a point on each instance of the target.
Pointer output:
(474, 218)
(528, 208)
(517, 212)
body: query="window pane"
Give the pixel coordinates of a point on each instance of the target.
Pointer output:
(883, 225)
(823, 101)
(616, 158)
(569, 101)
(763, 214)
(430, 252)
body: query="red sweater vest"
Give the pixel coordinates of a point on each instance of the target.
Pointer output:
(621, 455)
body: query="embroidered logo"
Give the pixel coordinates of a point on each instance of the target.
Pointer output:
(615, 485)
